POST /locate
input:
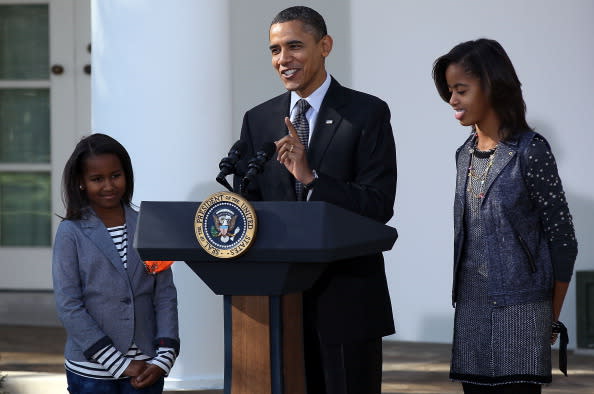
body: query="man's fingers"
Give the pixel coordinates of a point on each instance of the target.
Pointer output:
(291, 128)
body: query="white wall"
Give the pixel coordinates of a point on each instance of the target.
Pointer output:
(394, 44)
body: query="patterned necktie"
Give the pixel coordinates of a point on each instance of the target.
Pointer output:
(302, 127)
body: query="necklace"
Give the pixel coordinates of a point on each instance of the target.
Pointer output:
(474, 177)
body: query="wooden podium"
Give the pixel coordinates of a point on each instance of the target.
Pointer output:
(295, 241)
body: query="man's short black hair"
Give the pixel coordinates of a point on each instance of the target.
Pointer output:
(311, 19)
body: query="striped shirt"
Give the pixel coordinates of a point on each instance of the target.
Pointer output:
(119, 236)
(109, 363)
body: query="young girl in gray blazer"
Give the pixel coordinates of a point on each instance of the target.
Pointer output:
(121, 320)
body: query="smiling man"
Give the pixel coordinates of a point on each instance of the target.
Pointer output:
(333, 144)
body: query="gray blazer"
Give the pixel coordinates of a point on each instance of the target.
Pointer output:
(99, 302)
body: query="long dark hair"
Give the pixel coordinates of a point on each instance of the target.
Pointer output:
(487, 60)
(75, 200)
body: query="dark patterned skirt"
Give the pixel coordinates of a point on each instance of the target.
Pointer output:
(499, 345)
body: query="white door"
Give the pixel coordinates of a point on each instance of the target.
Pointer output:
(44, 110)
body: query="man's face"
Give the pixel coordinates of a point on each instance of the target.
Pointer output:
(298, 57)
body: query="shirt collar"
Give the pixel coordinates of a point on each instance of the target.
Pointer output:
(315, 99)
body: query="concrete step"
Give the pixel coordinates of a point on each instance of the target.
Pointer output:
(33, 383)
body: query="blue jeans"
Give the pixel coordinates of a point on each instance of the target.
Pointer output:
(82, 385)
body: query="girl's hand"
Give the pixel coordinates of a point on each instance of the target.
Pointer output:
(148, 377)
(135, 368)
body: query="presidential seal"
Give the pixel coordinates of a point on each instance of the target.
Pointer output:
(225, 225)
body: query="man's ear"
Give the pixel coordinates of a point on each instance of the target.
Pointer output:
(326, 43)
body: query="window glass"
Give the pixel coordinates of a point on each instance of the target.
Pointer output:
(24, 126)
(24, 42)
(25, 212)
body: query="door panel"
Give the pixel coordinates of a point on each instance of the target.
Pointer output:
(44, 110)
(25, 205)
(24, 126)
(24, 41)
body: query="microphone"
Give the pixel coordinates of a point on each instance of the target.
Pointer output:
(256, 164)
(227, 164)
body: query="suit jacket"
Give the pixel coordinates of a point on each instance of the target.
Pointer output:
(101, 303)
(352, 150)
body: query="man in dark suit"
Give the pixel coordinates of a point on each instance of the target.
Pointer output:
(347, 158)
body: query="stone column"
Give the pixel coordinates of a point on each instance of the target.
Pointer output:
(161, 86)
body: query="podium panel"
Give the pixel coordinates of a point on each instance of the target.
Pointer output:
(262, 289)
(266, 345)
(250, 333)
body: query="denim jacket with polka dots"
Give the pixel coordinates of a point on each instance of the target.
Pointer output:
(529, 231)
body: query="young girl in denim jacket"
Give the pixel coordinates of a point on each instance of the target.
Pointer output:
(514, 245)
